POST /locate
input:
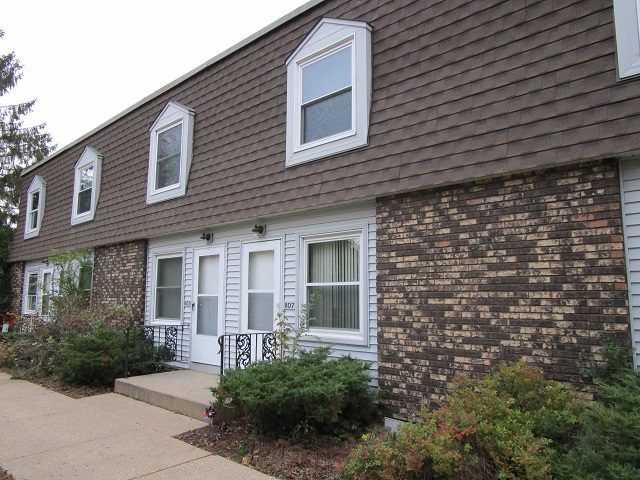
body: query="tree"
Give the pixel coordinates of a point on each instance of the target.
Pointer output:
(20, 146)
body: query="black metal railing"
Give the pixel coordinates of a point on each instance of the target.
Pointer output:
(162, 343)
(241, 350)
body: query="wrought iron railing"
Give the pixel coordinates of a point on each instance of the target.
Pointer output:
(241, 350)
(160, 342)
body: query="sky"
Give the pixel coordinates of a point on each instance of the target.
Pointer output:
(87, 61)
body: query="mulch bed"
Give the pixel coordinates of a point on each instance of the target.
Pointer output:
(73, 391)
(321, 459)
(57, 385)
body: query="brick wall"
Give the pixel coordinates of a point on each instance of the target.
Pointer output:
(16, 279)
(528, 266)
(119, 277)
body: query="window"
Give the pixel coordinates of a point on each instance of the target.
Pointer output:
(43, 281)
(47, 290)
(32, 293)
(329, 91)
(326, 96)
(167, 289)
(86, 186)
(35, 207)
(85, 278)
(627, 22)
(333, 279)
(260, 285)
(170, 153)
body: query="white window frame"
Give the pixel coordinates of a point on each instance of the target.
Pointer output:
(40, 269)
(274, 245)
(172, 115)
(27, 276)
(37, 185)
(44, 293)
(335, 335)
(89, 158)
(627, 22)
(329, 36)
(154, 281)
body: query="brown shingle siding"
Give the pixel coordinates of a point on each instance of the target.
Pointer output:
(461, 90)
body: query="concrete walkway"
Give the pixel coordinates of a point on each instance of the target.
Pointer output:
(180, 391)
(44, 434)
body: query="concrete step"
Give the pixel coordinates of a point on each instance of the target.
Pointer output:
(181, 391)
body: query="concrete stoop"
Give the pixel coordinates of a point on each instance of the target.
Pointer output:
(181, 391)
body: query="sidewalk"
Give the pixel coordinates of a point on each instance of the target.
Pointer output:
(44, 434)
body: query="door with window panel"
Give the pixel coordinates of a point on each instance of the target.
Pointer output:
(260, 285)
(208, 321)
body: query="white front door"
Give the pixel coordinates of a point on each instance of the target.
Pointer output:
(260, 285)
(208, 318)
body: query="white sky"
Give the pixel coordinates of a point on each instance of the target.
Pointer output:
(87, 61)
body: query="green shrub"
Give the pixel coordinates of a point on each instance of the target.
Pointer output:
(301, 396)
(37, 353)
(611, 363)
(8, 356)
(96, 358)
(490, 428)
(608, 446)
(608, 443)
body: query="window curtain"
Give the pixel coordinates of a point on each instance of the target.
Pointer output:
(334, 277)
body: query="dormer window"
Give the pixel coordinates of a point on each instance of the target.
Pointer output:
(627, 22)
(329, 91)
(35, 207)
(86, 186)
(34, 210)
(170, 153)
(326, 95)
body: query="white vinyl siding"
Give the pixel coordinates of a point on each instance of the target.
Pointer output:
(287, 231)
(630, 173)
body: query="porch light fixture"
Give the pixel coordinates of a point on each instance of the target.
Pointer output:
(259, 230)
(206, 236)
